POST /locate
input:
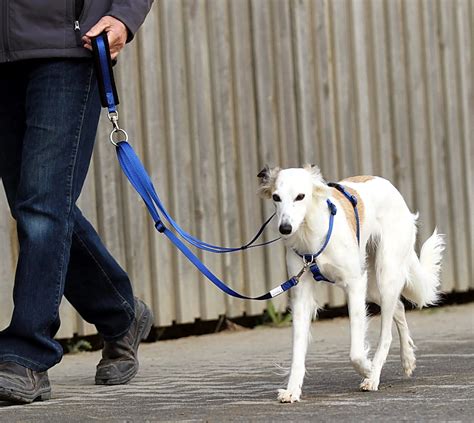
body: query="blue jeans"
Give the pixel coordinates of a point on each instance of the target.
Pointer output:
(49, 111)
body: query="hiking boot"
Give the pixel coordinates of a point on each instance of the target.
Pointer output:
(119, 362)
(22, 385)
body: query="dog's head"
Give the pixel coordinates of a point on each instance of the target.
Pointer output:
(293, 192)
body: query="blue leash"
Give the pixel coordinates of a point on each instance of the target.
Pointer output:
(136, 174)
(138, 177)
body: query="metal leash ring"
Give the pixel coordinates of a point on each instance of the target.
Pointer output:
(116, 132)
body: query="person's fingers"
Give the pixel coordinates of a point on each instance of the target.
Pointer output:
(117, 38)
(86, 40)
(116, 34)
(99, 27)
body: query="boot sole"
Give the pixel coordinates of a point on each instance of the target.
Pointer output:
(23, 397)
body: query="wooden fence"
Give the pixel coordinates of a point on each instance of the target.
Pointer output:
(212, 90)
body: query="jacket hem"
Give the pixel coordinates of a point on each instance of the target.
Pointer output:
(75, 52)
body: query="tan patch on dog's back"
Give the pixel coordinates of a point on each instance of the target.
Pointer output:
(360, 178)
(348, 209)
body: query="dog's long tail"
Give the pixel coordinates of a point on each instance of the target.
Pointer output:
(423, 280)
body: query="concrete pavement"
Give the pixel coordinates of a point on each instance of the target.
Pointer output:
(233, 376)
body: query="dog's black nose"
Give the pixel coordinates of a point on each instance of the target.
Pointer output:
(285, 228)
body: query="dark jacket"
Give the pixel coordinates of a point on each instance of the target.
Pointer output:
(53, 28)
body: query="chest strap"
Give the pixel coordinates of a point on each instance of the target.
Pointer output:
(353, 201)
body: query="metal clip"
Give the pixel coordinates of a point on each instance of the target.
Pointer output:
(302, 271)
(113, 117)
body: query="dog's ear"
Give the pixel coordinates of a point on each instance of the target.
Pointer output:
(313, 170)
(267, 178)
(264, 172)
(320, 186)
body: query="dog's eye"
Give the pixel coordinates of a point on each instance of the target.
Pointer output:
(276, 197)
(299, 197)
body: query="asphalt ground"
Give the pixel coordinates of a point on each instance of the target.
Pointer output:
(234, 376)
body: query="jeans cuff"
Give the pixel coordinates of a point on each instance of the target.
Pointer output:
(131, 314)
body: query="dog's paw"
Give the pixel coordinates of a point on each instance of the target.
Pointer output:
(369, 385)
(289, 395)
(409, 364)
(407, 354)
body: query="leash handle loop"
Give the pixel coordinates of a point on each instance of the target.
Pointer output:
(105, 76)
(107, 88)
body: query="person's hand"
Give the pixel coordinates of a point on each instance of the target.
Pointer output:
(116, 34)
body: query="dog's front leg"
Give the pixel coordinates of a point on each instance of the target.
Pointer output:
(303, 307)
(356, 289)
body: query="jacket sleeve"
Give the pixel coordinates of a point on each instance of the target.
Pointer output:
(131, 12)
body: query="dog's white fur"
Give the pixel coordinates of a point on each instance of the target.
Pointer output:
(380, 270)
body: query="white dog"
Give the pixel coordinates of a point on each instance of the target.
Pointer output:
(385, 253)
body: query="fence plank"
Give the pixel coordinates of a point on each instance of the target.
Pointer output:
(284, 84)
(399, 102)
(267, 98)
(247, 152)
(327, 153)
(225, 136)
(177, 108)
(416, 95)
(305, 83)
(136, 220)
(451, 115)
(156, 159)
(466, 93)
(345, 117)
(437, 136)
(206, 192)
(383, 142)
(327, 158)
(362, 87)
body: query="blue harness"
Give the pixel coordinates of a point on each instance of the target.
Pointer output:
(138, 177)
(310, 259)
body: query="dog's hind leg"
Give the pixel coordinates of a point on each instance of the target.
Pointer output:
(303, 308)
(390, 284)
(356, 292)
(407, 346)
